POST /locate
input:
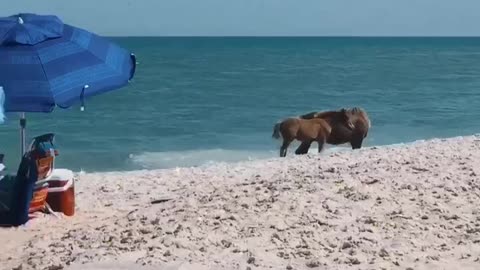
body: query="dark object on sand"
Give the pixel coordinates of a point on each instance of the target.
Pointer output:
(161, 200)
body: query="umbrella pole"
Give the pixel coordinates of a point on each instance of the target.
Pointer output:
(23, 125)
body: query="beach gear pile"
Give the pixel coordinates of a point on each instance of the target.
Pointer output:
(37, 186)
(48, 64)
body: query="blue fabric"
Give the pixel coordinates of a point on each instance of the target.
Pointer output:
(52, 69)
(22, 194)
(29, 29)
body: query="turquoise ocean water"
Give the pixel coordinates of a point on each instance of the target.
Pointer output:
(200, 100)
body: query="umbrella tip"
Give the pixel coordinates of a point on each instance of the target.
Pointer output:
(20, 20)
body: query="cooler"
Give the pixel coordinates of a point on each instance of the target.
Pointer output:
(61, 191)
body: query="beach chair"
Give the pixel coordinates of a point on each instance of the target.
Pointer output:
(43, 151)
(14, 210)
(19, 197)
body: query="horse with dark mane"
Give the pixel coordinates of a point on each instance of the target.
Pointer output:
(315, 129)
(343, 134)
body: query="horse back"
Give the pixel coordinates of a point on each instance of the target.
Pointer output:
(289, 127)
(319, 125)
(308, 116)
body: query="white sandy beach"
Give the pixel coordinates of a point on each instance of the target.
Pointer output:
(406, 207)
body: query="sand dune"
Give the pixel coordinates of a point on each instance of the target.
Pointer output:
(405, 207)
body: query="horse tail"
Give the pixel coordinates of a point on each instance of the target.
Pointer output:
(276, 131)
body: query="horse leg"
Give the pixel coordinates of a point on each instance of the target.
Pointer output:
(321, 144)
(303, 148)
(283, 149)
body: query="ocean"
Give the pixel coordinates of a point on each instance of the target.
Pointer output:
(198, 100)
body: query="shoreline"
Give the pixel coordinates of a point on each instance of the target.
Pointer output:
(330, 149)
(398, 206)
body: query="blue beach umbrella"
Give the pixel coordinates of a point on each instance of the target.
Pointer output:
(45, 63)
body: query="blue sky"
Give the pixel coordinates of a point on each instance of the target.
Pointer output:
(262, 17)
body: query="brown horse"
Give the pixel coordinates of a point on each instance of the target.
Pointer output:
(308, 131)
(341, 133)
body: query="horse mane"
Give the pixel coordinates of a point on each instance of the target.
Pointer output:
(356, 110)
(361, 113)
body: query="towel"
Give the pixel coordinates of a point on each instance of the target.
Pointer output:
(2, 102)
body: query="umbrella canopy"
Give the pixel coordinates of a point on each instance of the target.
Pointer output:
(45, 63)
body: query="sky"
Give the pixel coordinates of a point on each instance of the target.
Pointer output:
(261, 17)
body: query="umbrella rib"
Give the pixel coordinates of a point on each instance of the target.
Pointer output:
(8, 32)
(45, 73)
